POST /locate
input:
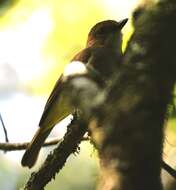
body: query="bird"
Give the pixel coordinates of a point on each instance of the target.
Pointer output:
(103, 53)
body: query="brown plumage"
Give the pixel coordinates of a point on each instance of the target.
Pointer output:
(103, 53)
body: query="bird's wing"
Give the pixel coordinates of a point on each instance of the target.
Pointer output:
(57, 106)
(54, 101)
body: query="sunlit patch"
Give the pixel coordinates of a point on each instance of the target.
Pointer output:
(121, 9)
(127, 32)
(21, 46)
(74, 68)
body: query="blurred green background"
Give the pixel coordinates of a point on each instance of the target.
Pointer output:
(37, 39)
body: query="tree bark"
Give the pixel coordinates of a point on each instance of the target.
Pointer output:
(129, 131)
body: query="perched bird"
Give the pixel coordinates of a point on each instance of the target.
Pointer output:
(103, 54)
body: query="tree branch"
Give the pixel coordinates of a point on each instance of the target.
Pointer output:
(56, 160)
(23, 146)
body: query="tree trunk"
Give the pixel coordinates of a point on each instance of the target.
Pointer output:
(129, 131)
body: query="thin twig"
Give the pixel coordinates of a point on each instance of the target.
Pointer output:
(4, 128)
(169, 169)
(23, 146)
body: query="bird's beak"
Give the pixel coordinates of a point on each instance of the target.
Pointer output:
(122, 23)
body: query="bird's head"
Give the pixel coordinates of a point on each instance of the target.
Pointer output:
(106, 33)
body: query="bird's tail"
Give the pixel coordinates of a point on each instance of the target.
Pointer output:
(33, 149)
